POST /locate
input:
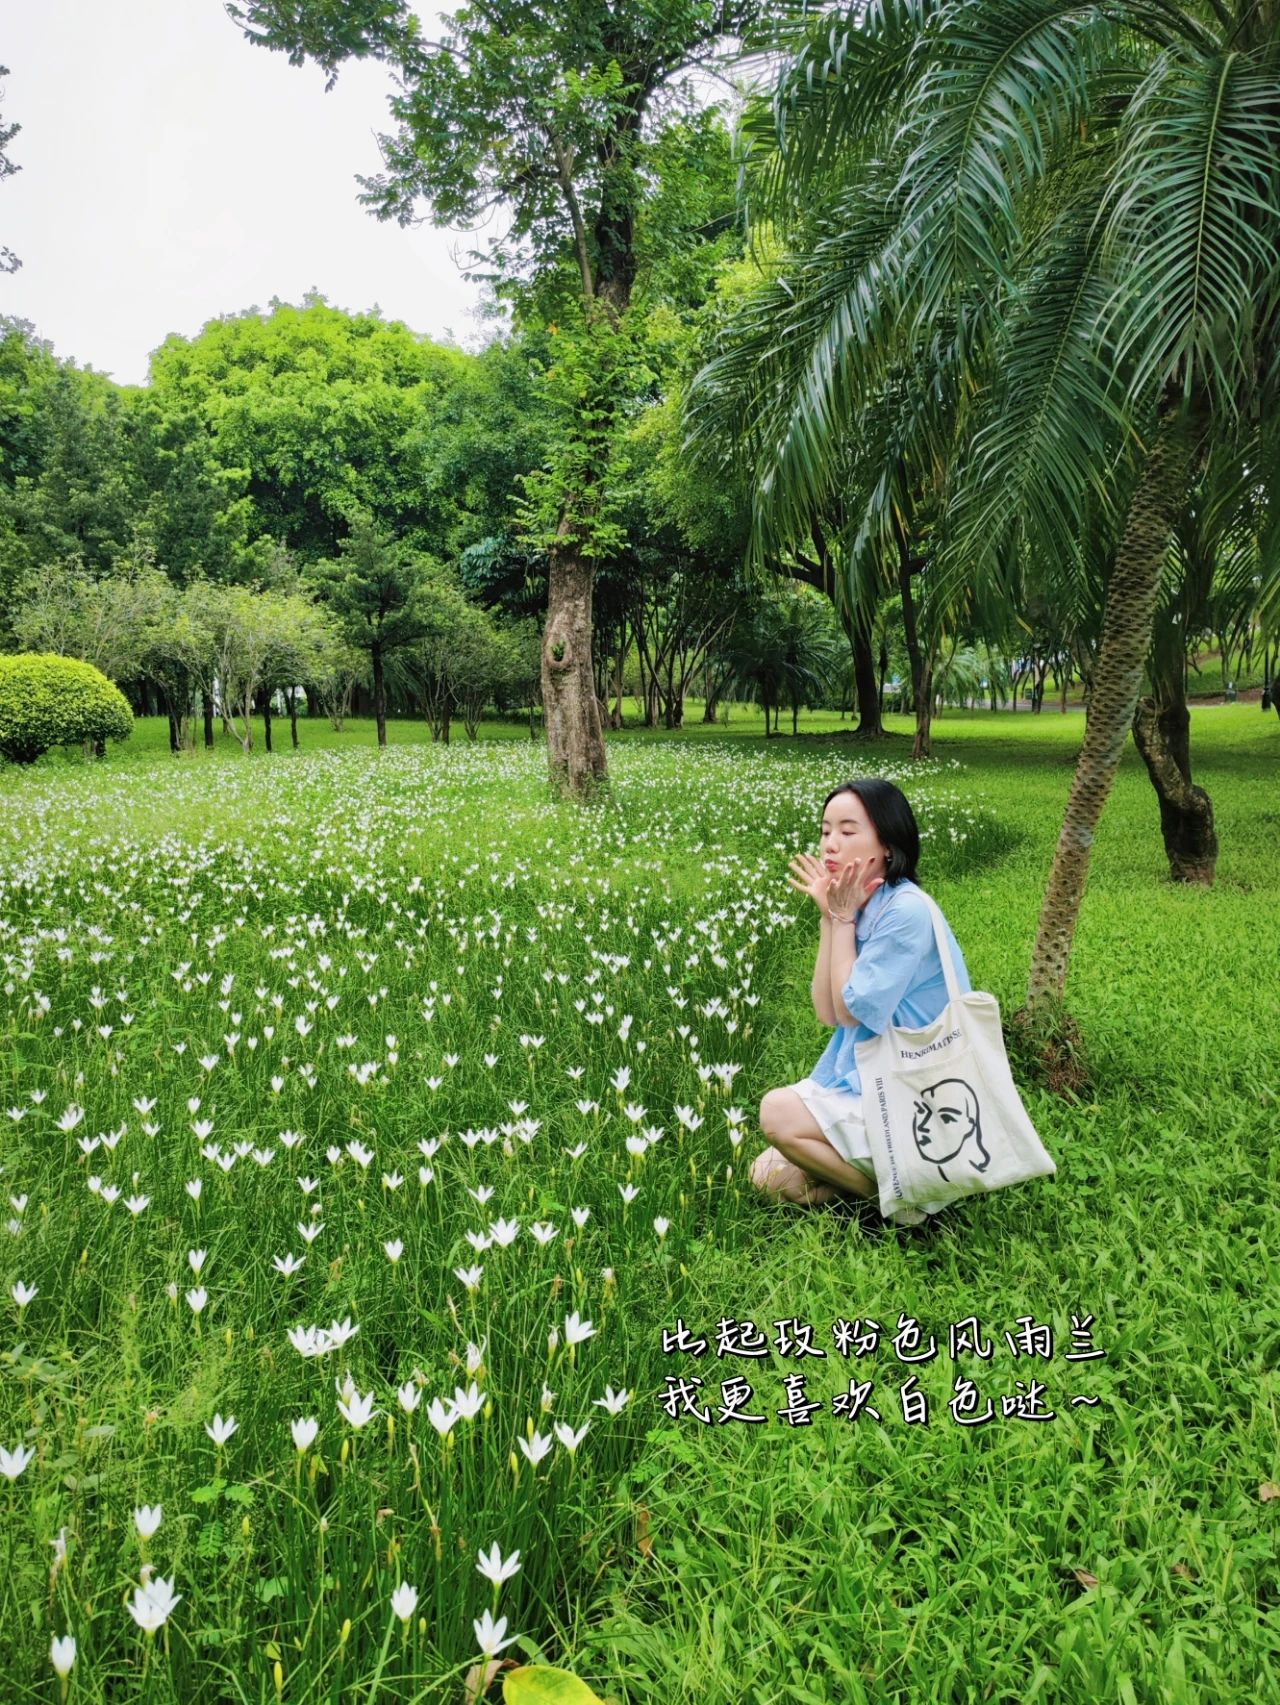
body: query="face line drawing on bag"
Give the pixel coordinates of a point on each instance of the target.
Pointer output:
(949, 1118)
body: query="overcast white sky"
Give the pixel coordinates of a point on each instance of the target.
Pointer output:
(173, 172)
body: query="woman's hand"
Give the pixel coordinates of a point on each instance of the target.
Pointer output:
(849, 891)
(809, 876)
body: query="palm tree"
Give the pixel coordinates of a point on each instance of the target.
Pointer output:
(1078, 204)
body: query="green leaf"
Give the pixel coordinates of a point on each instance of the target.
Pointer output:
(540, 1684)
(207, 1494)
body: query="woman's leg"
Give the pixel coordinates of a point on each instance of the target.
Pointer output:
(796, 1135)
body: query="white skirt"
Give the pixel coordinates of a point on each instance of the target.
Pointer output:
(839, 1116)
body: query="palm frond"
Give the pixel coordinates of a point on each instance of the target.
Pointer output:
(841, 87)
(1049, 426)
(1192, 225)
(790, 373)
(1006, 82)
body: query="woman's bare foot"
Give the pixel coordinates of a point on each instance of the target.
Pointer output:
(773, 1172)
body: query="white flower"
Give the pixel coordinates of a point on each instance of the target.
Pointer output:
(475, 1356)
(621, 1078)
(577, 1331)
(62, 1654)
(339, 1332)
(468, 1403)
(470, 1276)
(404, 1601)
(309, 1340)
(441, 1419)
(304, 1431)
(136, 1204)
(23, 1294)
(489, 1634)
(196, 1259)
(504, 1232)
(147, 1519)
(287, 1264)
(629, 1192)
(494, 1569)
(544, 1231)
(359, 1153)
(194, 1187)
(392, 1180)
(425, 1175)
(309, 1233)
(537, 1447)
(661, 1226)
(153, 1603)
(394, 1249)
(12, 1462)
(219, 1430)
(355, 1409)
(613, 1401)
(568, 1438)
(408, 1396)
(197, 1298)
(580, 1217)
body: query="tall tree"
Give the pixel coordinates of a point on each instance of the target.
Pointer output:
(554, 114)
(376, 586)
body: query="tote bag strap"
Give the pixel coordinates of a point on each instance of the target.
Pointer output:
(944, 950)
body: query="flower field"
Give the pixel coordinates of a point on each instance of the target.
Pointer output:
(363, 1115)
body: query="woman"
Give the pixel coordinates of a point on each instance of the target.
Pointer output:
(877, 964)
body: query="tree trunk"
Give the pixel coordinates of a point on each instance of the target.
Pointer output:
(1162, 734)
(207, 698)
(615, 720)
(293, 715)
(921, 746)
(1186, 811)
(173, 730)
(575, 740)
(379, 694)
(1127, 619)
(266, 717)
(864, 671)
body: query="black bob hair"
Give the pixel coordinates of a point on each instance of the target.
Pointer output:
(893, 821)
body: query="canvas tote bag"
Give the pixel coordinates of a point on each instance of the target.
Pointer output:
(944, 1118)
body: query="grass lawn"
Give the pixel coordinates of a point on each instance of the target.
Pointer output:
(345, 1081)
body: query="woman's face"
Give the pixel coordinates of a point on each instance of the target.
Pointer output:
(847, 833)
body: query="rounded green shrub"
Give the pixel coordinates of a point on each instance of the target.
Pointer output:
(47, 700)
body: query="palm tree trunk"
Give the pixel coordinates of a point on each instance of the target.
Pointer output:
(1127, 619)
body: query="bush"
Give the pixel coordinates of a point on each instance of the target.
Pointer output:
(46, 700)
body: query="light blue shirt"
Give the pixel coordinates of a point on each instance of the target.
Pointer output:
(897, 978)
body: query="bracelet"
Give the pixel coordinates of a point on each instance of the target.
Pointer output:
(837, 919)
